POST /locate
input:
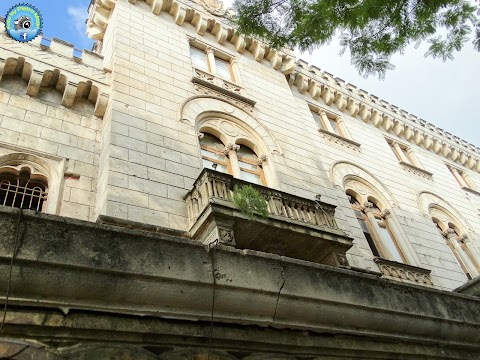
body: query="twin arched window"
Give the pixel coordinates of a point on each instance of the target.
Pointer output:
(237, 160)
(375, 227)
(457, 241)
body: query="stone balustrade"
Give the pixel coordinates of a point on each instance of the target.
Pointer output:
(295, 227)
(215, 185)
(404, 272)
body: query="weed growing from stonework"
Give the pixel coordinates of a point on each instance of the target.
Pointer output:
(250, 201)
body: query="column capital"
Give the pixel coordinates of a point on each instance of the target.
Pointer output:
(463, 238)
(262, 159)
(367, 207)
(385, 214)
(209, 50)
(231, 148)
(448, 233)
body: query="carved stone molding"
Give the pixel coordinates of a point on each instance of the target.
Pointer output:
(367, 206)
(404, 272)
(240, 101)
(262, 160)
(449, 233)
(386, 214)
(214, 7)
(231, 148)
(416, 170)
(350, 144)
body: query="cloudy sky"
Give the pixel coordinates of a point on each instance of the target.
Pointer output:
(445, 94)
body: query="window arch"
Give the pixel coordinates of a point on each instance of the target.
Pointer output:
(455, 229)
(237, 160)
(457, 239)
(22, 187)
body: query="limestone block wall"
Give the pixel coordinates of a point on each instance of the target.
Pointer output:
(51, 103)
(150, 153)
(377, 157)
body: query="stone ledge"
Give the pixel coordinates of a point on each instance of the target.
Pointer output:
(109, 269)
(416, 170)
(404, 272)
(340, 140)
(470, 190)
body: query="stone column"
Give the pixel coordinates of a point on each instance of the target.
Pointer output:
(211, 60)
(231, 152)
(235, 70)
(459, 177)
(401, 237)
(466, 262)
(413, 157)
(326, 122)
(367, 209)
(343, 129)
(475, 255)
(400, 153)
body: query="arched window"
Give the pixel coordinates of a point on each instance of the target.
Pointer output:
(376, 230)
(457, 241)
(20, 189)
(237, 160)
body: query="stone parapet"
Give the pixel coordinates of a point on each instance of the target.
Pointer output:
(99, 269)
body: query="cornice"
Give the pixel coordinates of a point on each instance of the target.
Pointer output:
(319, 84)
(322, 86)
(100, 10)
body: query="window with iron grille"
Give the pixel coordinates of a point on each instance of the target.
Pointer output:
(21, 190)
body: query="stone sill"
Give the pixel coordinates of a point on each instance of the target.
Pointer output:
(340, 139)
(472, 191)
(379, 260)
(416, 170)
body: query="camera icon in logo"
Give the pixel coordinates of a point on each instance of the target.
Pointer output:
(23, 22)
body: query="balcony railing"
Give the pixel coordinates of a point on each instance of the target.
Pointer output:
(292, 221)
(212, 184)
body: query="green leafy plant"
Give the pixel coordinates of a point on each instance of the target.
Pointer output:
(250, 201)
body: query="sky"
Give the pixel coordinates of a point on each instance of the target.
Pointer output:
(444, 94)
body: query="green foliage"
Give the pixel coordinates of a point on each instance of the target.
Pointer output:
(250, 201)
(372, 30)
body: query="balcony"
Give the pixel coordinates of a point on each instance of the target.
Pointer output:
(296, 227)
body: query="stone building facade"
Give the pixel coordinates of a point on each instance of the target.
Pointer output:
(148, 136)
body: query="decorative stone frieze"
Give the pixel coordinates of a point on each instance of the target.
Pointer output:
(403, 272)
(214, 7)
(208, 87)
(337, 139)
(416, 170)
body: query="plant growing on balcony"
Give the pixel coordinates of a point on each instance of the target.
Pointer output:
(250, 201)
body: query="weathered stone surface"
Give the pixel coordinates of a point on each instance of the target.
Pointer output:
(99, 269)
